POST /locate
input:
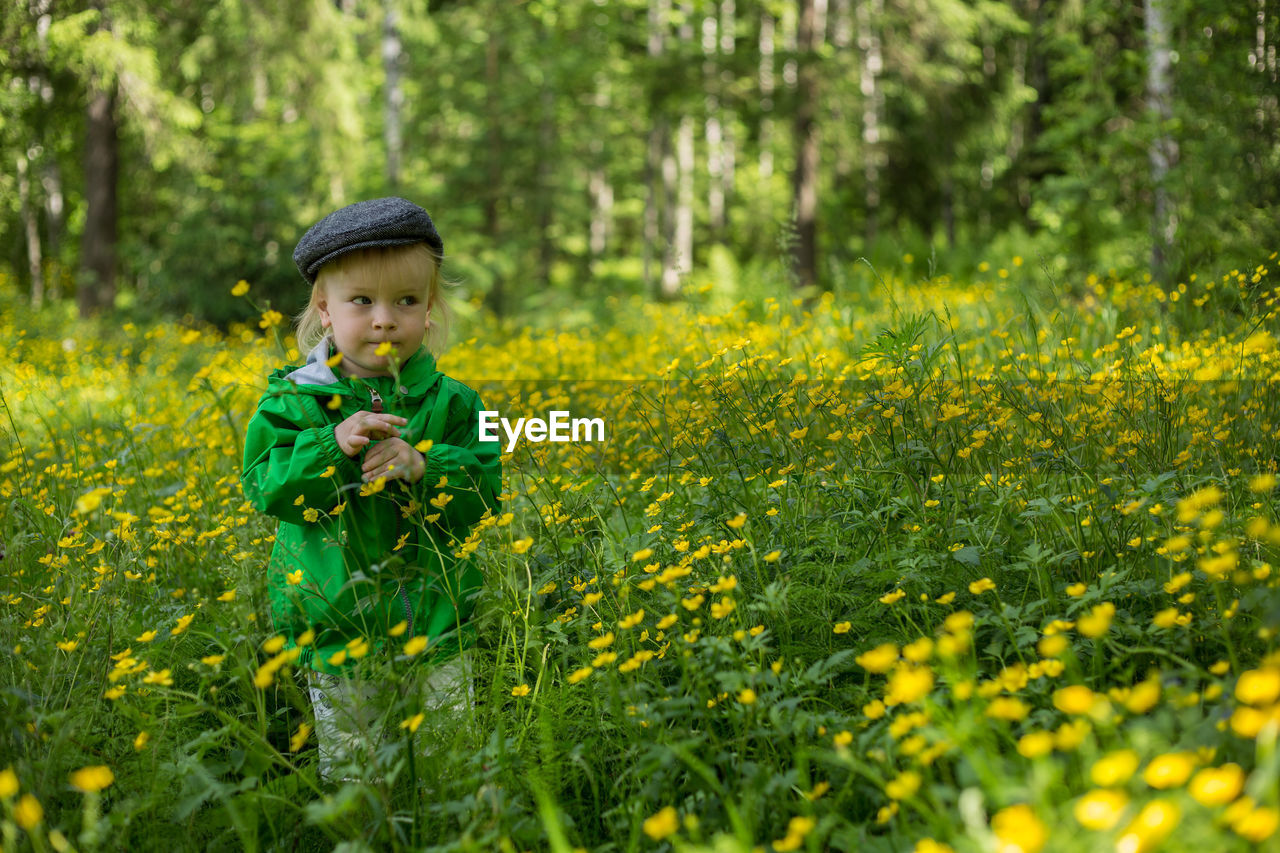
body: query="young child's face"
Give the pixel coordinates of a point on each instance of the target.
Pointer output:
(362, 317)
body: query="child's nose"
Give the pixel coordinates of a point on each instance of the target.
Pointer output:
(384, 318)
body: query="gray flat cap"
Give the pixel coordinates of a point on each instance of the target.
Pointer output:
(380, 222)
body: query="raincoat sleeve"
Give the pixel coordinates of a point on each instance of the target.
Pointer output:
(464, 475)
(288, 446)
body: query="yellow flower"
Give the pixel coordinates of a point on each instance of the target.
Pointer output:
(299, 737)
(579, 674)
(522, 545)
(1144, 697)
(591, 598)
(892, 597)
(722, 608)
(293, 578)
(146, 637)
(520, 690)
(928, 845)
(270, 318)
(601, 642)
(1114, 768)
(28, 812)
(1262, 483)
(1259, 686)
(904, 786)
(161, 678)
(1076, 590)
(642, 554)
(667, 621)
(980, 586)
(1152, 825)
(908, 684)
(92, 779)
(412, 723)
(631, 620)
(880, 659)
(1170, 770)
(842, 627)
(1052, 646)
(1098, 621)
(1035, 744)
(241, 288)
(140, 742)
(772, 556)
(415, 646)
(1007, 708)
(662, 824)
(384, 348)
(1019, 830)
(843, 738)
(1076, 699)
(737, 521)
(8, 783)
(228, 596)
(1217, 786)
(67, 645)
(183, 622)
(1101, 809)
(1257, 825)
(747, 696)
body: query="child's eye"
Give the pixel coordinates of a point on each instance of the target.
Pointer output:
(408, 300)
(361, 300)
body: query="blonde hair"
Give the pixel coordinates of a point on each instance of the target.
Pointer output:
(369, 267)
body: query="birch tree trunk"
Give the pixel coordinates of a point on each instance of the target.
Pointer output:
(869, 15)
(728, 33)
(391, 53)
(1163, 151)
(766, 94)
(31, 222)
(681, 260)
(659, 166)
(714, 131)
(493, 225)
(805, 179)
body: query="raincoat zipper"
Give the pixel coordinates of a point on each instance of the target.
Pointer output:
(376, 401)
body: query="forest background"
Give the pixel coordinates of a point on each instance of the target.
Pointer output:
(158, 152)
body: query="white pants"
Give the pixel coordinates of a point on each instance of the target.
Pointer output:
(351, 715)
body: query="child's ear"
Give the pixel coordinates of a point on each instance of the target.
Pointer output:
(323, 307)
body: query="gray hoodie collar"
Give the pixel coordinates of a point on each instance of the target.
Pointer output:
(315, 371)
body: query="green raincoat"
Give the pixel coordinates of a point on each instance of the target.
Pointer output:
(369, 562)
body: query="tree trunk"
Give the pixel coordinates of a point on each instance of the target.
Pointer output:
(714, 133)
(654, 231)
(391, 57)
(96, 288)
(682, 234)
(31, 220)
(544, 197)
(1163, 151)
(599, 188)
(805, 176)
(493, 226)
(869, 15)
(728, 28)
(767, 86)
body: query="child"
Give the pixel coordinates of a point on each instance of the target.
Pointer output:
(370, 459)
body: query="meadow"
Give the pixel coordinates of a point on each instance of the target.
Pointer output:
(925, 565)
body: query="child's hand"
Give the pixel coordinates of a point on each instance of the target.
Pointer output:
(363, 427)
(394, 459)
